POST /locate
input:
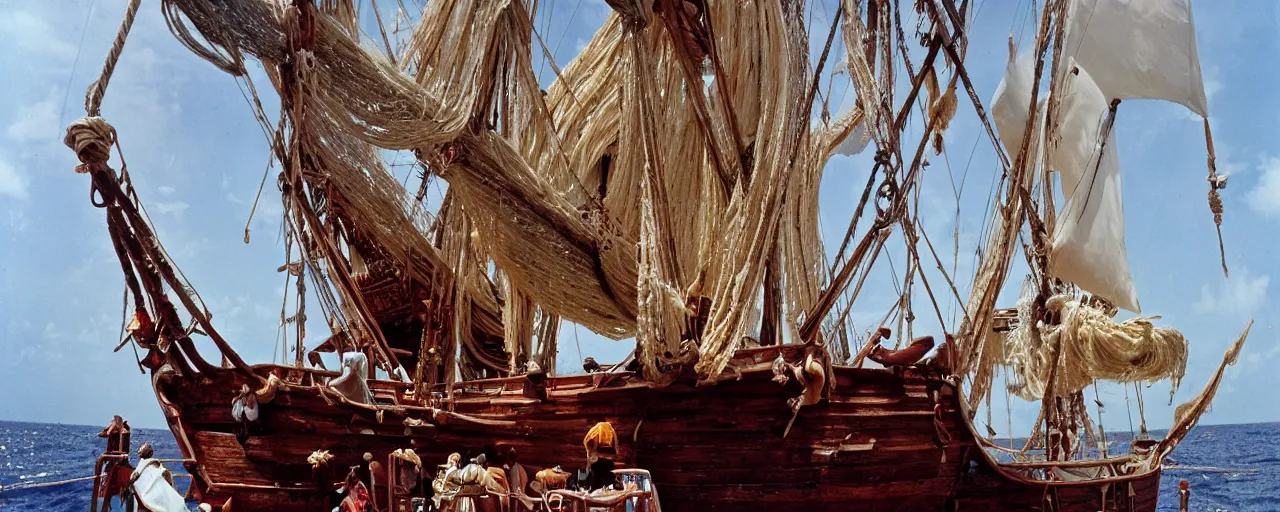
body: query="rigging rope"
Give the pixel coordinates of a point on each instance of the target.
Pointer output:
(36, 485)
(21, 486)
(1129, 410)
(98, 89)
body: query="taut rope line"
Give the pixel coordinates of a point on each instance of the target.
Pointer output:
(98, 89)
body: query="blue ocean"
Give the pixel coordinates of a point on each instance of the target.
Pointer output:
(1230, 467)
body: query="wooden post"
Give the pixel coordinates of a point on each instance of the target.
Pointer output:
(1184, 496)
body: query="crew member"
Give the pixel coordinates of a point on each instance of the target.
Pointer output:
(601, 444)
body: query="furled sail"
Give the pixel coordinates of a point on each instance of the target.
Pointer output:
(1088, 242)
(1090, 345)
(1138, 49)
(750, 223)
(567, 260)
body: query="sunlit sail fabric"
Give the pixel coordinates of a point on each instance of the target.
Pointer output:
(1011, 102)
(1088, 242)
(1139, 49)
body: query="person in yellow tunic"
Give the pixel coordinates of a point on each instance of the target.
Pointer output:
(601, 444)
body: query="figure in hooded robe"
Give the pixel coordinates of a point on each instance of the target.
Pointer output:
(352, 384)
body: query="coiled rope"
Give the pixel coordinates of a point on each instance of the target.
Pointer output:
(91, 138)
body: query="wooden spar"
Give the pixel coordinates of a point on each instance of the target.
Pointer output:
(104, 181)
(873, 15)
(879, 229)
(300, 318)
(1047, 404)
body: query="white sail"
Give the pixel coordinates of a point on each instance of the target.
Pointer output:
(1081, 113)
(1013, 96)
(1088, 241)
(1139, 49)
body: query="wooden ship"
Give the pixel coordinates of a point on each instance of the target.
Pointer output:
(662, 188)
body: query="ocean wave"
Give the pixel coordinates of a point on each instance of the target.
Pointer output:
(41, 474)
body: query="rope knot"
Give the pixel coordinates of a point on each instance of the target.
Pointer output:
(91, 138)
(882, 157)
(1215, 205)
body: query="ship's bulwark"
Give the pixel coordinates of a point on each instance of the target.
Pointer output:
(873, 447)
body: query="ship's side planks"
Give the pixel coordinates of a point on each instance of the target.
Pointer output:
(875, 445)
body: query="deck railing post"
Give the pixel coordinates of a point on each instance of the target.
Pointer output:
(1184, 496)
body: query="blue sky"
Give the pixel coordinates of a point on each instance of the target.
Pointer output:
(197, 155)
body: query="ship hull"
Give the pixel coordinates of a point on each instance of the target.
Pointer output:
(879, 442)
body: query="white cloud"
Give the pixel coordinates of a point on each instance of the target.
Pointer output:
(33, 37)
(12, 182)
(176, 207)
(1265, 197)
(190, 248)
(36, 122)
(51, 332)
(164, 190)
(95, 330)
(1239, 296)
(1228, 167)
(18, 220)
